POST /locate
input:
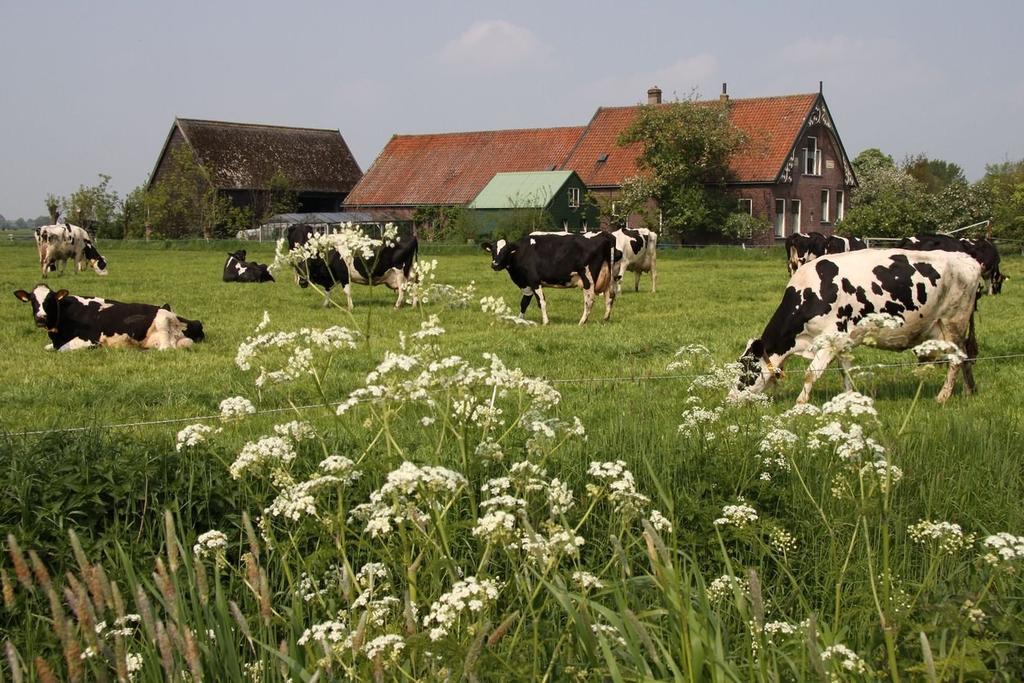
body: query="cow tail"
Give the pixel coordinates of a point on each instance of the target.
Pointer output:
(972, 339)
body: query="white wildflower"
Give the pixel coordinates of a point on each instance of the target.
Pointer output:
(1003, 548)
(724, 586)
(850, 403)
(469, 595)
(272, 450)
(193, 435)
(938, 351)
(295, 430)
(659, 522)
(387, 647)
(330, 632)
(235, 407)
(212, 543)
(586, 581)
(609, 632)
(847, 660)
(739, 515)
(495, 527)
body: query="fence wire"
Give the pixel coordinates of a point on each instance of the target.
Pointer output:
(557, 381)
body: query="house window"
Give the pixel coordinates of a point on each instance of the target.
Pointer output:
(794, 216)
(746, 206)
(780, 217)
(840, 205)
(824, 206)
(812, 157)
(574, 197)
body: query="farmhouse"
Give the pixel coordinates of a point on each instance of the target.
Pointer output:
(544, 200)
(244, 158)
(794, 172)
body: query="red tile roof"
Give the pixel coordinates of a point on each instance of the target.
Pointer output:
(452, 168)
(772, 124)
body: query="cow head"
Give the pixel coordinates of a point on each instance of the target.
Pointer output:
(45, 305)
(756, 370)
(501, 251)
(237, 255)
(996, 283)
(96, 261)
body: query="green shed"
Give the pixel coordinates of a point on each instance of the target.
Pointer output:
(516, 203)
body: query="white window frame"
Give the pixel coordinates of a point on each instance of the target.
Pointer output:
(574, 197)
(840, 205)
(825, 205)
(796, 222)
(780, 225)
(615, 208)
(812, 149)
(749, 210)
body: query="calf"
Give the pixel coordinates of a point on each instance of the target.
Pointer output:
(801, 248)
(391, 265)
(636, 253)
(983, 251)
(932, 293)
(236, 269)
(58, 243)
(75, 322)
(559, 260)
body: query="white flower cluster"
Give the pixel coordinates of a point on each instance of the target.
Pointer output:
(938, 351)
(724, 586)
(298, 347)
(739, 515)
(660, 522)
(586, 581)
(387, 647)
(697, 419)
(850, 403)
(496, 527)
(560, 542)
(686, 356)
(299, 500)
(212, 543)
(235, 407)
(340, 467)
(847, 660)
(721, 377)
(608, 632)
(421, 285)
(869, 325)
(327, 632)
(781, 541)
(884, 472)
(406, 489)
(500, 310)
(618, 483)
(851, 445)
(949, 538)
(193, 435)
(1004, 548)
(295, 430)
(451, 297)
(469, 595)
(122, 627)
(270, 450)
(839, 342)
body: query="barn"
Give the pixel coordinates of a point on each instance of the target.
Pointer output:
(538, 200)
(243, 159)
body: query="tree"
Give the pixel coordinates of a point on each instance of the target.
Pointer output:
(184, 202)
(872, 159)
(686, 151)
(96, 208)
(888, 201)
(934, 174)
(1003, 189)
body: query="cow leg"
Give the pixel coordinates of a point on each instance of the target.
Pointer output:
(347, 288)
(401, 294)
(947, 387)
(524, 302)
(609, 301)
(847, 365)
(815, 370)
(654, 276)
(636, 281)
(542, 302)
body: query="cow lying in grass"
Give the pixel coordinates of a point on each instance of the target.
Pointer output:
(237, 269)
(558, 259)
(76, 322)
(930, 294)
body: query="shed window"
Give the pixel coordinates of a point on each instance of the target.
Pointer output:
(574, 197)
(746, 206)
(812, 157)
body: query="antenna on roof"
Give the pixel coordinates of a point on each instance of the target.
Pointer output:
(821, 87)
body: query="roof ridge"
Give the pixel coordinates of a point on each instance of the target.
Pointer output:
(494, 130)
(731, 100)
(257, 125)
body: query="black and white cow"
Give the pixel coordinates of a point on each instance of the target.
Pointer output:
(237, 269)
(840, 245)
(801, 248)
(983, 250)
(77, 322)
(637, 253)
(58, 243)
(933, 293)
(392, 265)
(560, 260)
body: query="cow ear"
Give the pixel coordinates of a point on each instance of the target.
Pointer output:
(486, 246)
(757, 348)
(241, 254)
(61, 294)
(23, 295)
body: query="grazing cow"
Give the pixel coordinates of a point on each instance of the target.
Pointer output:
(933, 293)
(76, 322)
(801, 248)
(62, 242)
(636, 253)
(558, 260)
(392, 265)
(983, 251)
(839, 245)
(236, 269)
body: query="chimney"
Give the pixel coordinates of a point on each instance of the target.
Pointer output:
(654, 95)
(724, 97)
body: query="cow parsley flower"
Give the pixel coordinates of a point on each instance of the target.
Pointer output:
(300, 499)
(660, 522)
(781, 541)
(295, 430)
(884, 472)
(586, 581)
(850, 403)
(850, 445)
(495, 527)
(388, 647)
(938, 351)
(846, 659)
(212, 543)
(271, 450)
(467, 596)
(724, 586)
(341, 467)
(1003, 548)
(949, 538)
(236, 407)
(500, 310)
(609, 632)
(739, 515)
(192, 436)
(331, 632)
(133, 662)
(698, 419)
(619, 484)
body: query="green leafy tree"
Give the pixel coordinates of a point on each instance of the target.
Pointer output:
(96, 208)
(888, 201)
(934, 174)
(872, 159)
(1003, 189)
(184, 202)
(52, 207)
(686, 151)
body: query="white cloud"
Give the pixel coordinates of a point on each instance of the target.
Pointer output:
(495, 44)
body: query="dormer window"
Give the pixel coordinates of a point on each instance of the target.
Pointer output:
(603, 158)
(812, 157)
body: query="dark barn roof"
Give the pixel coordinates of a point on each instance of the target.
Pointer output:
(245, 156)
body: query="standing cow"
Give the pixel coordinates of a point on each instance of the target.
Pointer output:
(560, 260)
(237, 269)
(636, 253)
(391, 265)
(801, 248)
(932, 293)
(983, 251)
(58, 243)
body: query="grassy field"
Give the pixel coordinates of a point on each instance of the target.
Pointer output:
(961, 463)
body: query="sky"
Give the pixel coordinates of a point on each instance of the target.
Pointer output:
(93, 87)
